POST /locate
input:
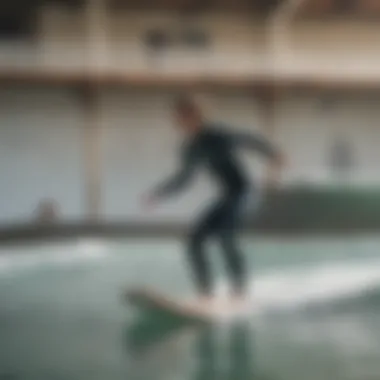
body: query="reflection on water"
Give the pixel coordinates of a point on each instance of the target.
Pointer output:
(234, 360)
(211, 352)
(329, 346)
(317, 317)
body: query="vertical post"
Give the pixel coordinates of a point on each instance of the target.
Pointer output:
(92, 153)
(96, 22)
(268, 115)
(95, 18)
(278, 27)
(279, 54)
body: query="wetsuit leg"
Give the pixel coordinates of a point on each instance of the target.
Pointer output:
(199, 261)
(227, 231)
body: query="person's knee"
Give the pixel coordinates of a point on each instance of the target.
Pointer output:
(231, 249)
(227, 240)
(197, 238)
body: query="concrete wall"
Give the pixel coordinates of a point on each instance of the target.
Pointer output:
(40, 153)
(41, 140)
(308, 126)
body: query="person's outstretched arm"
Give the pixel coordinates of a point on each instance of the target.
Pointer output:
(255, 143)
(263, 146)
(179, 180)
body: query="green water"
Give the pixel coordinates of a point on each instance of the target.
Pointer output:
(61, 314)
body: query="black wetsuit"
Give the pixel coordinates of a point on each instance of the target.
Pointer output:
(214, 148)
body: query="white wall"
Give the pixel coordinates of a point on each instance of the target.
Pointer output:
(141, 145)
(41, 140)
(308, 125)
(41, 148)
(40, 156)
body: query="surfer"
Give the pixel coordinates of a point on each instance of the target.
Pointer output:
(212, 146)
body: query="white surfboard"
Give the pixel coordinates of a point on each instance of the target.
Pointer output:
(153, 302)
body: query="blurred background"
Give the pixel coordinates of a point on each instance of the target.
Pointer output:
(86, 89)
(85, 128)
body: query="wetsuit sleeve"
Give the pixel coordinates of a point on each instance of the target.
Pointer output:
(253, 142)
(179, 180)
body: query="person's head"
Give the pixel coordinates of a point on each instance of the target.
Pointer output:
(188, 114)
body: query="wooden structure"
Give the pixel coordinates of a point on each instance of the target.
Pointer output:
(277, 13)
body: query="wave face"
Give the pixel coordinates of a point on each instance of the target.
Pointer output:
(340, 286)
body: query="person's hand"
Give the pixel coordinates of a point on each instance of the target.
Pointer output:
(148, 202)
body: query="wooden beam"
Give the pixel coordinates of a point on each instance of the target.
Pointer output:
(258, 6)
(152, 81)
(97, 55)
(268, 100)
(92, 155)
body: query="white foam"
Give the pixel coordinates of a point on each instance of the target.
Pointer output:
(84, 251)
(92, 248)
(220, 311)
(289, 289)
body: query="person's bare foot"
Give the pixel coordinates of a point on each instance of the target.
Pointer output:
(206, 300)
(201, 305)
